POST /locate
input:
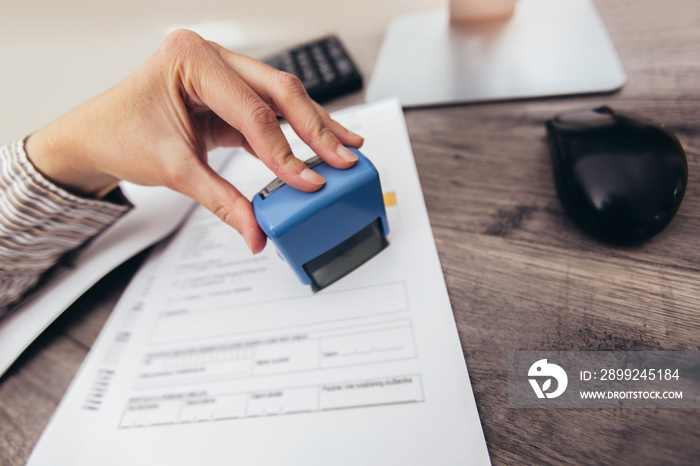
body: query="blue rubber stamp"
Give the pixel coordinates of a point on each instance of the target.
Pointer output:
(326, 234)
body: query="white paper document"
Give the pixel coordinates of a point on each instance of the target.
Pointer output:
(157, 212)
(214, 356)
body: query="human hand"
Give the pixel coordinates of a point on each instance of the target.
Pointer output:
(191, 96)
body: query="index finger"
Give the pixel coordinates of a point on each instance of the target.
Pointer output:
(285, 93)
(210, 81)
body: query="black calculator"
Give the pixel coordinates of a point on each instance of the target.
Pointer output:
(323, 66)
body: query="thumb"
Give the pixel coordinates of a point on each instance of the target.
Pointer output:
(221, 198)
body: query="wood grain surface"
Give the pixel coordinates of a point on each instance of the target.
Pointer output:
(520, 275)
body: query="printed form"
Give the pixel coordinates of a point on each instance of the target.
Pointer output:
(215, 356)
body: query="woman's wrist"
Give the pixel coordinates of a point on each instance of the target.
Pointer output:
(59, 156)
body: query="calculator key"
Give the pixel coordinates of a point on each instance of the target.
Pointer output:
(344, 67)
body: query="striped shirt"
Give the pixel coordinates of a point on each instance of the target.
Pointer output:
(40, 223)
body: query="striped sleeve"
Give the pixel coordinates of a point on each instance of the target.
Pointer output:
(40, 222)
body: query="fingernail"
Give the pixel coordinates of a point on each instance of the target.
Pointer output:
(346, 154)
(312, 177)
(250, 248)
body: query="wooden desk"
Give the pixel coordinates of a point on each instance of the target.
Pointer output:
(519, 274)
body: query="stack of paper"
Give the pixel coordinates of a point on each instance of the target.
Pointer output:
(215, 356)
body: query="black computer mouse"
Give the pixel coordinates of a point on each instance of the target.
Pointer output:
(620, 177)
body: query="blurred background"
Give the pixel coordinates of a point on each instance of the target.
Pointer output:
(56, 54)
